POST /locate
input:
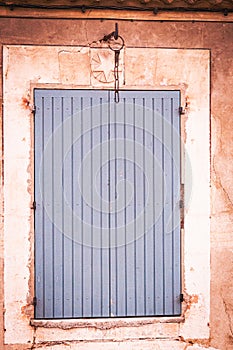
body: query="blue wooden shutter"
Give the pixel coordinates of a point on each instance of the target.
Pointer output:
(107, 190)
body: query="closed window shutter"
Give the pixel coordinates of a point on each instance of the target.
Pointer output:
(107, 192)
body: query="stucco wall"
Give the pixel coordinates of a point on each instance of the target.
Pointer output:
(218, 38)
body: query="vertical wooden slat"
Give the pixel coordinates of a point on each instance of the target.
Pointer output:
(140, 208)
(130, 199)
(96, 251)
(67, 204)
(168, 194)
(105, 212)
(149, 201)
(86, 193)
(176, 173)
(58, 237)
(39, 236)
(47, 224)
(158, 190)
(112, 210)
(121, 265)
(77, 195)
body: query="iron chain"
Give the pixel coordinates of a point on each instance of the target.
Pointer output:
(116, 44)
(116, 76)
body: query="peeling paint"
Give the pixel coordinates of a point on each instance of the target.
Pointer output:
(189, 300)
(205, 343)
(25, 103)
(27, 310)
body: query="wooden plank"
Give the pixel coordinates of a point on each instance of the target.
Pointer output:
(117, 15)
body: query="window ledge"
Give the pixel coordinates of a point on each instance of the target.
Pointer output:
(104, 323)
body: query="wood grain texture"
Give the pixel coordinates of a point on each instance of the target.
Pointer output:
(141, 4)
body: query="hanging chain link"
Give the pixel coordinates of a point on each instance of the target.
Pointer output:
(116, 44)
(116, 76)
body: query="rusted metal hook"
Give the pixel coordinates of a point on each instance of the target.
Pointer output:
(112, 35)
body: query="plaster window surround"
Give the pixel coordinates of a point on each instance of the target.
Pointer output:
(29, 67)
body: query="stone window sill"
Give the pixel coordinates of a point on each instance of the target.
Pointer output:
(104, 323)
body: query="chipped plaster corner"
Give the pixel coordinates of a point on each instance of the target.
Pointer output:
(53, 68)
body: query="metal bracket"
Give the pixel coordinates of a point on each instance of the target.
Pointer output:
(32, 109)
(181, 110)
(34, 301)
(181, 297)
(33, 205)
(112, 34)
(116, 31)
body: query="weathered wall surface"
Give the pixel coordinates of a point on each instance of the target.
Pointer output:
(24, 65)
(218, 37)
